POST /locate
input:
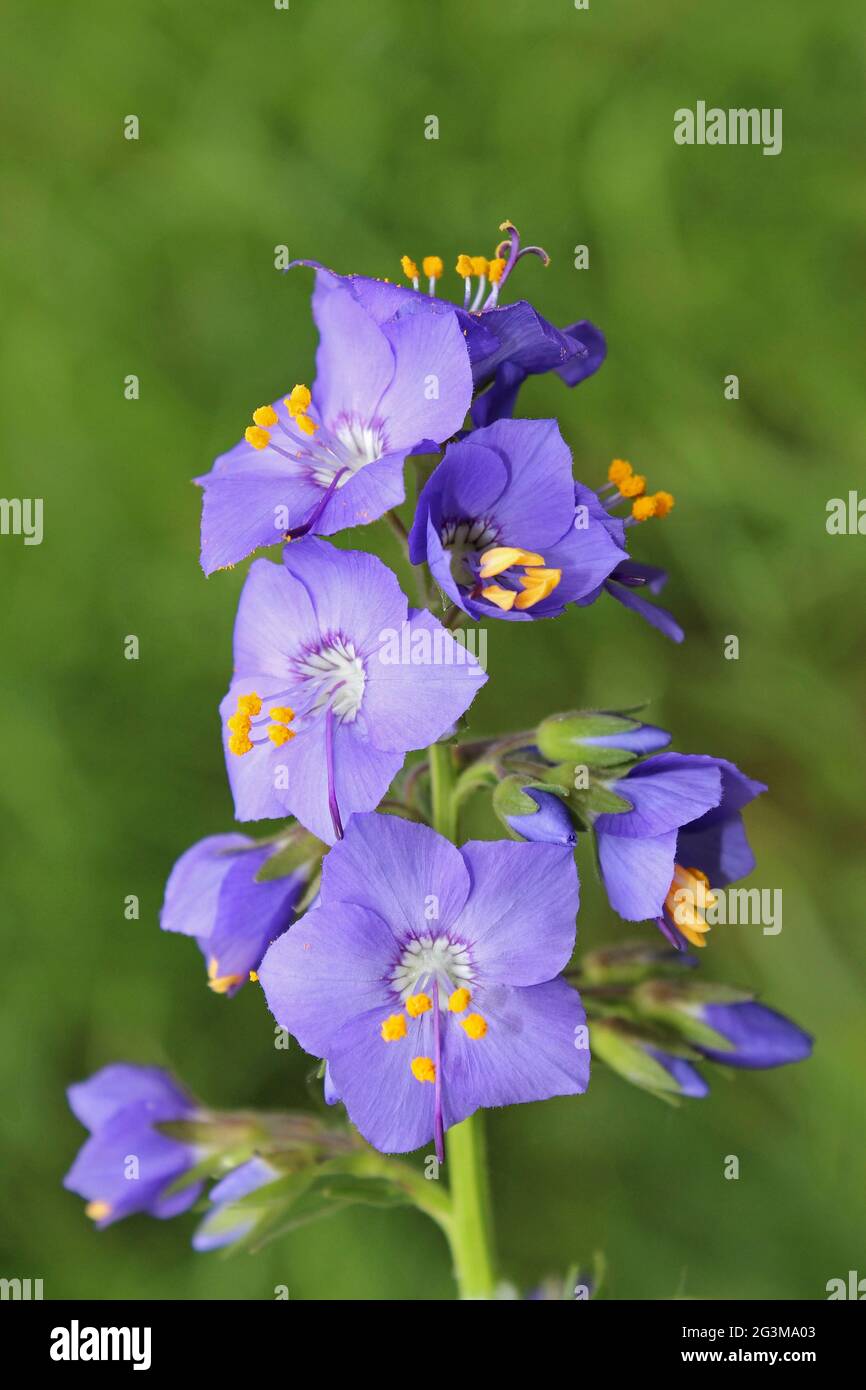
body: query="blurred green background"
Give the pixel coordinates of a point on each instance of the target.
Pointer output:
(305, 127)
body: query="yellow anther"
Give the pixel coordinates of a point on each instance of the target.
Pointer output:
(632, 486)
(688, 898)
(503, 598)
(495, 269)
(97, 1211)
(618, 470)
(250, 704)
(458, 1000)
(284, 714)
(432, 266)
(299, 401)
(265, 415)
(664, 502)
(240, 744)
(279, 734)
(464, 266)
(537, 584)
(418, 1004)
(239, 723)
(394, 1028)
(643, 508)
(255, 435)
(480, 265)
(423, 1069)
(502, 557)
(474, 1026)
(220, 984)
(254, 977)
(410, 269)
(305, 424)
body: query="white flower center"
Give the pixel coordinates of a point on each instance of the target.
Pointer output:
(428, 961)
(337, 678)
(352, 444)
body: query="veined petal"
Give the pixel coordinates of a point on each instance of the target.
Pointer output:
(637, 873)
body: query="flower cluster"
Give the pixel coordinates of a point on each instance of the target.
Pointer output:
(427, 980)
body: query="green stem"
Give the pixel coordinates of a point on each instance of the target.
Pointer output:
(466, 1162)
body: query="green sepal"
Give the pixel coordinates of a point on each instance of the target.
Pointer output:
(562, 738)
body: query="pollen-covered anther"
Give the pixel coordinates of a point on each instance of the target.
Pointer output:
(664, 502)
(537, 584)
(220, 984)
(279, 734)
(418, 1004)
(432, 267)
(643, 508)
(632, 486)
(495, 269)
(305, 424)
(464, 266)
(458, 1000)
(250, 704)
(480, 265)
(474, 1026)
(503, 598)
(240, 744)
(619, 470)
(687, 900)
(502, 557)
(265, 416)
(257, 437)
(97, 1211)
(410, 269)
(393, 1028)
(423, 1069)
(298, 400)
(239, 723)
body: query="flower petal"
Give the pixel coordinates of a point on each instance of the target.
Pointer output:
(637, 873)
(404, 872)
(334, 964)
(519, 920)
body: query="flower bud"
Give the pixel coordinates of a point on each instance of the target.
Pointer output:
(534, 813)
(597, 738)
(644, 1060)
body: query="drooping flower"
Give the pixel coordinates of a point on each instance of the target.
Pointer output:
(504, 530)
(212, 895)
(127, 1165)
(428, 978)
(227, 1222)
(335, 680)
(322, 460)
(682, 837)
(506, 342)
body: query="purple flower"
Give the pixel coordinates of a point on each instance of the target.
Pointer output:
(126, 1165)
(212, 895)
(427, 978)
(550, 824)
(323, 460)
(506, 343)
(758, 1037)
(225, 1222)
(503, 528)
(335, 679)
(683, 835)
